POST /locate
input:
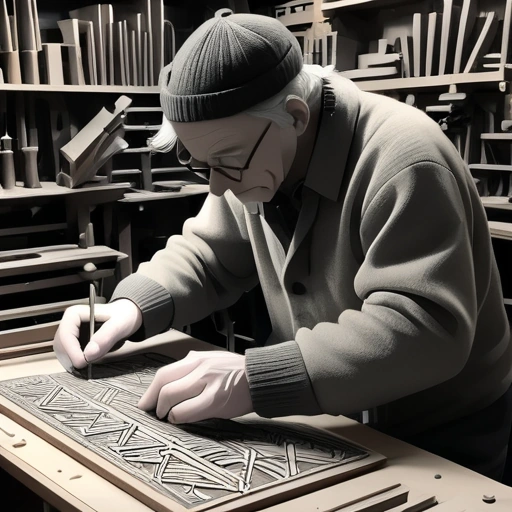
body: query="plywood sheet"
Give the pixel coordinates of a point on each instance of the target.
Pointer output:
(214, 465)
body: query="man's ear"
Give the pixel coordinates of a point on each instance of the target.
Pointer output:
(299, 110)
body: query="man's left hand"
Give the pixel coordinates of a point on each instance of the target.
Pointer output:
(203, 385)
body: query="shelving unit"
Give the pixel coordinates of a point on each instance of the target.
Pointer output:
(37, 281)
(479, 120)
(488, 80)
(112, 89)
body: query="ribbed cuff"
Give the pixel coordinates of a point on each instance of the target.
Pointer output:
(152, 299)
(279, 382)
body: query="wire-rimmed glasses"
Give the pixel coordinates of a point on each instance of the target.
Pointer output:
(232, 173)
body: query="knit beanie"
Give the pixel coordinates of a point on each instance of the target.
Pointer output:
(229, 64)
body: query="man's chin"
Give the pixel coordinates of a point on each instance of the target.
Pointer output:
(256, 195)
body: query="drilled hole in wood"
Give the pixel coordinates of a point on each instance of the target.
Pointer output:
(20, 444)
(75, 477)
(6, 433)
(59, 470)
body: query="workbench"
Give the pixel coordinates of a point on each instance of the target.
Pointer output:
(68, 485)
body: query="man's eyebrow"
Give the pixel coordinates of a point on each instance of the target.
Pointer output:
(220, 153)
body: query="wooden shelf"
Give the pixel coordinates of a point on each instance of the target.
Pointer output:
(497, 202)
(496, 136)
(490, 167)
(358, 4)
(50, 188)
(114, 89)
(501, 229)
(423, 82)
(44, 259)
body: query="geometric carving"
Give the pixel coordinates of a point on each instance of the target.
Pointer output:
(192, 464)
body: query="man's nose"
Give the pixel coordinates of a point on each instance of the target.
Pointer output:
(219, 184)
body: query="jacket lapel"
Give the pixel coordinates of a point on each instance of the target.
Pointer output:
(338, 121)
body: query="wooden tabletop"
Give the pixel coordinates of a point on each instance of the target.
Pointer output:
(68, 485)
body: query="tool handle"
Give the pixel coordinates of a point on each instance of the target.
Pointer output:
(7, 174)
(30, 162)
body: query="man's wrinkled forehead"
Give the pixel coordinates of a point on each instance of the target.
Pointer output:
(205, 138)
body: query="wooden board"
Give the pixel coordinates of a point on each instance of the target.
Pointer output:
(28, 261)
(467, 20)
(218, 465)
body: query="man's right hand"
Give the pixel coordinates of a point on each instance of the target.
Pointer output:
(120, 320)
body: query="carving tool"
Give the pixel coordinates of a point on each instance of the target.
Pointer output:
(92, 300)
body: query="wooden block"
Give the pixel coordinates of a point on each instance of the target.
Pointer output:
(449, 32)
(383, 46)
(419, 41)
(484, 41)
(53, 61)
(467, 21)
(433, 43)
(346, 53)
(367, 60)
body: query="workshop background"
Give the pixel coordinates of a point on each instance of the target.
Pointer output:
(84, 200)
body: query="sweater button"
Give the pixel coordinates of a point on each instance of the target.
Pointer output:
(298, 288)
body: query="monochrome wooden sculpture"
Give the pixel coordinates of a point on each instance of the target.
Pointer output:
(176, 467)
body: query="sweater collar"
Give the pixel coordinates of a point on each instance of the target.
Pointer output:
(338, 121)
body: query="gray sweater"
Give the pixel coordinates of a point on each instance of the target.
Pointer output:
(388, 296)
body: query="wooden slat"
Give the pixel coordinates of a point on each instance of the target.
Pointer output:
(114, 89)
(490, 167)
(439, 81)
(25, 230)
(44, 309)
(496, 136)
(28, 335)
(26, 350)
(41, 284)
(501, 229)
(497, 202)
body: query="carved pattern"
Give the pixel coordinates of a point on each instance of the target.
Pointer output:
(191, 464)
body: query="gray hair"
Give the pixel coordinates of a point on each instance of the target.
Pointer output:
(307, 85)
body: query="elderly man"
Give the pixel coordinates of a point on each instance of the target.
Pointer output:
(365, 230)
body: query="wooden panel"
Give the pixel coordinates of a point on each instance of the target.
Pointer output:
(254, 499)
(28, 335)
